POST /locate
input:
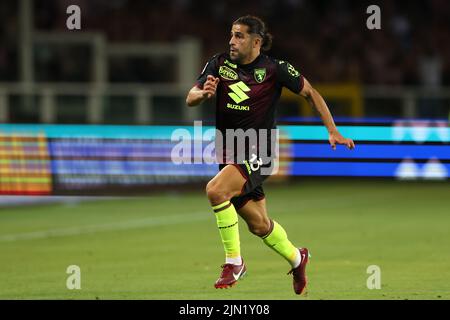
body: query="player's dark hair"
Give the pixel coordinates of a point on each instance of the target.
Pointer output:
(257, 26)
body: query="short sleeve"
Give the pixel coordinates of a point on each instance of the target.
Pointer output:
(289, 77)
(210, 68)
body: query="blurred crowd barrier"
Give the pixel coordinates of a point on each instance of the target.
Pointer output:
(102, 159)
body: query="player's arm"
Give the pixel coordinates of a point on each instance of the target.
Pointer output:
(196, 95)
(315, 99)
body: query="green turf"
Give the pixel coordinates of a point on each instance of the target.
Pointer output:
(168, 246)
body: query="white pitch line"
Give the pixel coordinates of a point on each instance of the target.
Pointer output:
(121, 225)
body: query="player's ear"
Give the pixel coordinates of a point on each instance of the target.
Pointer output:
(254, 40)
(257, 41)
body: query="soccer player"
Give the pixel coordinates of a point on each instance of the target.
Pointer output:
(248, 86)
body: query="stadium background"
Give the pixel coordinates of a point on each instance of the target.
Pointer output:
(87, 116)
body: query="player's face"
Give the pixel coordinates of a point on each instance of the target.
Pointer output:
(240, 43)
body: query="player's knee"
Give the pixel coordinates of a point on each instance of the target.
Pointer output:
(215, 193)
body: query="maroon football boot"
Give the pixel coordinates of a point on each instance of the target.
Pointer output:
(299, 274)
(231, 273)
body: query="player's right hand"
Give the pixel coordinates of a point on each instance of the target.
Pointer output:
(210, 87)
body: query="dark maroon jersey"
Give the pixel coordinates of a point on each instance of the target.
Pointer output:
(247, 95)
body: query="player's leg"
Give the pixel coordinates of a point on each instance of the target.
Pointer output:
(226, 184)
(272, 233)
(275, 237)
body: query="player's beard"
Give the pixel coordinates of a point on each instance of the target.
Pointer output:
(237, 56)
(234, 55)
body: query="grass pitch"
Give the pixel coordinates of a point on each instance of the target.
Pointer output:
(168, 247)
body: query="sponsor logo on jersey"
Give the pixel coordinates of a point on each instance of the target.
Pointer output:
(292, 71)
(238, 107)
(228, 63)
(239, 89)
(227, 73)
(260, 75)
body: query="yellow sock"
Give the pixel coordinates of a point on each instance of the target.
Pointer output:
(227, 221)
(278, 241)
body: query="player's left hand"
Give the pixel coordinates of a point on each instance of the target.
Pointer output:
(337, 138)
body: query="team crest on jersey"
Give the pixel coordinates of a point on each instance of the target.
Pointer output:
(227, 73)
(260, 75)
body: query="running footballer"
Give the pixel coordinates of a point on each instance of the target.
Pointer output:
(247, 85)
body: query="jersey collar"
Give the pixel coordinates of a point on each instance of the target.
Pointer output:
(249, 65)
